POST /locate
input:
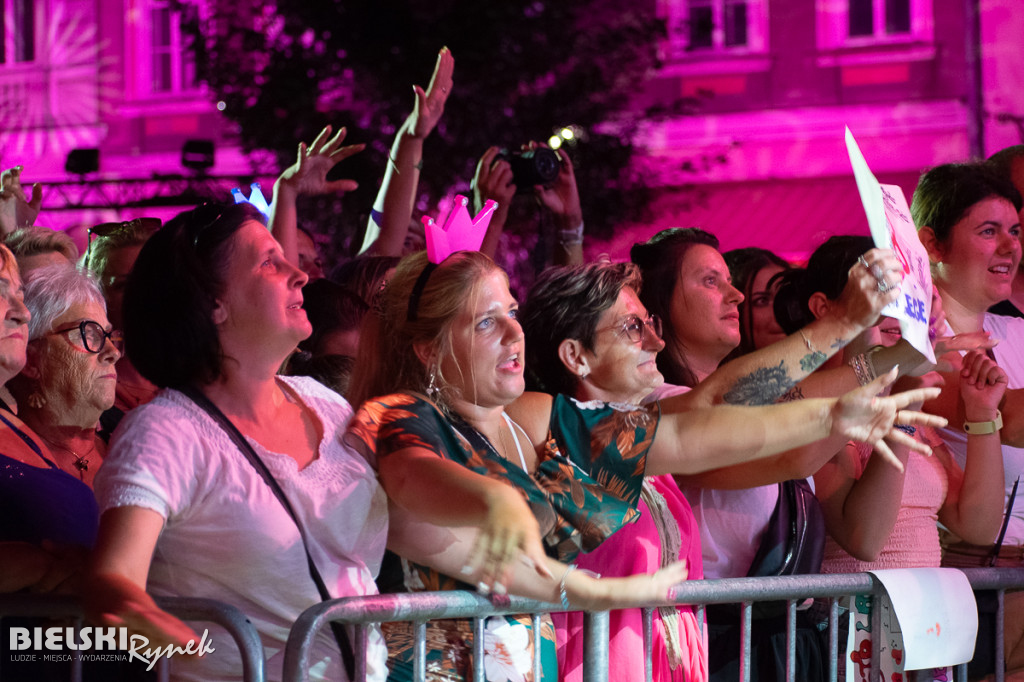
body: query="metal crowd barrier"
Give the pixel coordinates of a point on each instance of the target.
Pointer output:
(206, 610)
(421, 607)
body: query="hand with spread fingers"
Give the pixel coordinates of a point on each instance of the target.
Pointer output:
(863, 415)
(308, 175)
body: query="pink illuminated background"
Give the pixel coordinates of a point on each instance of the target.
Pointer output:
(762, 164)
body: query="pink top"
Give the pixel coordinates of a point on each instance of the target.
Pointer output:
(637, 548)
(914, 541)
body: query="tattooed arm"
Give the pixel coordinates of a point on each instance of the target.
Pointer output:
(766, 375)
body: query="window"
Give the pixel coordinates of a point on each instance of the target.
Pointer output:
(856, 23)
(18, 28)
(172, 60)
(701, 28)
(878, 17)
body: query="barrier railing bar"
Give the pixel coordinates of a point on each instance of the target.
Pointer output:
(648, 620)
(746, 624)
(361, 637)
(1000, 653)
(395, 607)
(876, 632)
(833, 639)
(595, 646)
(479, 625)
(419, 652)
(535, 622)
(790, 641)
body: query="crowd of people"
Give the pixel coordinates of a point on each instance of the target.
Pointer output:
(206, 408)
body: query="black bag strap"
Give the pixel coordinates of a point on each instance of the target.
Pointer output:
(1006, 522)
(207, 405)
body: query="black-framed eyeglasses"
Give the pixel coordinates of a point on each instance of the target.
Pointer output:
(111, 229)
(93, 335)
(634, 326)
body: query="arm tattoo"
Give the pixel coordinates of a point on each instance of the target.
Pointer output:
(812, 361)
(763, 386)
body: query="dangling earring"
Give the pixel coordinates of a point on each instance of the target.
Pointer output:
(36, 400)
(433, 392)
(583, 374)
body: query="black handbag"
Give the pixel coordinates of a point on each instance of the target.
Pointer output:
(794, 540)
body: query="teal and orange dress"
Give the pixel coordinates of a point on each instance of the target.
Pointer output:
(586, 486)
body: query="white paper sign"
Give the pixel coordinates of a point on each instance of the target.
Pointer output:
(929, 622)
(892, 228)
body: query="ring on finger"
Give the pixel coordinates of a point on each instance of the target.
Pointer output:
(864, 261)
(884, 286)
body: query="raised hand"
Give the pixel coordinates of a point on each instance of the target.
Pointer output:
(429, 104)
(308, 175)
(562, 197)
(864, 416)
(16, 210)
(982, 385)
(873, 283)
(492, 180)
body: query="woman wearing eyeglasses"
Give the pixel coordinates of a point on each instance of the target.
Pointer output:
(69, 376)
(588, 336)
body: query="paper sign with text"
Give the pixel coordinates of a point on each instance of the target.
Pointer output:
(892, 228)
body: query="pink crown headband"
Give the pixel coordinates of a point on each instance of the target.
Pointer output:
(460, 233)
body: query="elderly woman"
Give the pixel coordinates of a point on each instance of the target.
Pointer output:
(113, 248)
(69, 376)
(39, 500)
(446, 358)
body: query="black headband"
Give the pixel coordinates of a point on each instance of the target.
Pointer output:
(417, 291)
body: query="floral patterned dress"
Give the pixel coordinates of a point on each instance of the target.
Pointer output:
(586, 486)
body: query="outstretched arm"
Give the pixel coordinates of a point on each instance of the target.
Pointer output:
(307, 176)
(764, 376)
(709, 438)
(445, 493)
(447, 550)
(392, 209)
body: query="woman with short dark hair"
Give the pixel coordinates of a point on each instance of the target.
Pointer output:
(212, 310)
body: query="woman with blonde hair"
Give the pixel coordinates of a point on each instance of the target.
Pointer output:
(447, 423)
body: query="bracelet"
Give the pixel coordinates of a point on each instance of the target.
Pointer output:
(418, 165)
(571, 237)
(984, 428)
(862, 367)
(562, 596)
